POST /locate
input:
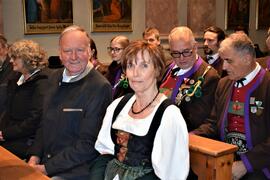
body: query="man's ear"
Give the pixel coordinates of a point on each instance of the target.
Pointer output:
(60, 54)
(247, 59)
(195, 47)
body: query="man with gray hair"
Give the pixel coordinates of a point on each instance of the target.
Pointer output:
(77, 100)
(240, 115)
(189, 81)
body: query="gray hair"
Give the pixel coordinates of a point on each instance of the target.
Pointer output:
(240, 42)
(182, 33)
(73, 28)
(33, 56)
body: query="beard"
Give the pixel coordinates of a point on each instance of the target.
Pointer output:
(207, 50)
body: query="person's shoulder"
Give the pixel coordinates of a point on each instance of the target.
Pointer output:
(208, 70)
(97, 77)
(267, 76)
(224, 82)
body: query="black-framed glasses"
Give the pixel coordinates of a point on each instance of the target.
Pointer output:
(185, 53)
(115, 49)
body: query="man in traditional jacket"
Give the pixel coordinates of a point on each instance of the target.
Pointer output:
(240, 115)
(189, 81)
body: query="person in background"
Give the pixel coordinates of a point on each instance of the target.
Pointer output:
(143, 135)
(151, 35)
(6, 72)
(189, 81)
(243, 29)
(102, 68)
(265, 61)
(240, 115)
(76, 103)
(213, 36)
(115, 74)
(25, 97)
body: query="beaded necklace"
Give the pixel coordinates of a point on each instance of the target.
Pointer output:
(145, 106)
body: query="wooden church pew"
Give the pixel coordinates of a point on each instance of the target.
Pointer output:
(210, 159)
(13, 168)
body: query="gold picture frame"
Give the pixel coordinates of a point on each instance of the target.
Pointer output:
(45, 17)
(236, 13)
(111, 15)
(262, 14)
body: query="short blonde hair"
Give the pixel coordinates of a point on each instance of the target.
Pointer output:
(149, 31)
(120, 39)
(33, 56)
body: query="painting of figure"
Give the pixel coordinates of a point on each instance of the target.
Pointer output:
(47, 16)
(263, 14)
(111, 15)
(237, 13)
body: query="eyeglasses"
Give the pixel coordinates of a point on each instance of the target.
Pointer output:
(116, 49)
(185, 53)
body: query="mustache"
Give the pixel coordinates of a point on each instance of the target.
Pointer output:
(207, 50)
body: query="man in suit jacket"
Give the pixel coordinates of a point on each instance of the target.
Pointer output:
(213, 36)
(6, 72)
(77, 101)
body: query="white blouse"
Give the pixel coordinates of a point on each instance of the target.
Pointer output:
(170, 154)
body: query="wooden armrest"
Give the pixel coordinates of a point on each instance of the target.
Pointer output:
(211, 159)
(13, 168)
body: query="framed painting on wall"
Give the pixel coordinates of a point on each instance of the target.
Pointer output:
(262, 14)
(111, 15)
(236, 13)
(42, 17)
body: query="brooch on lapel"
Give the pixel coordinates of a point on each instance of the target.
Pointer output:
(123, 82)
(255, 106)
(191, 88)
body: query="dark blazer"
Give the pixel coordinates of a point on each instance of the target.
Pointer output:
(22, 117)
(264, 62)
(71, 121)
(6, 73)
(256, 125)
(218, 65)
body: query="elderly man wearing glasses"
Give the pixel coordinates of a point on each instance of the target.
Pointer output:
(189, 81)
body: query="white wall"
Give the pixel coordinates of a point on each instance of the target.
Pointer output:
(14, 27)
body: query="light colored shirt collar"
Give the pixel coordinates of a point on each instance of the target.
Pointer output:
(214, 58)
(22, 78)
(181, 71)
(67, 78)
(252, 74)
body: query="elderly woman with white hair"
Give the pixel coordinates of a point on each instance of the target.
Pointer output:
(25, 97)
